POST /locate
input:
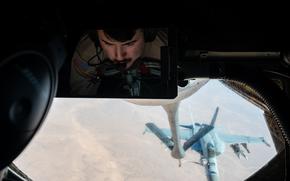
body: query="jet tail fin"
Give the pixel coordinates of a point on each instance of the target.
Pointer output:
(158, 132)
(201, 132)
(213, 120)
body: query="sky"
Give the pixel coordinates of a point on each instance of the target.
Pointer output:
(82, 139)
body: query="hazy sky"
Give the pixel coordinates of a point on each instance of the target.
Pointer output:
(82, 139)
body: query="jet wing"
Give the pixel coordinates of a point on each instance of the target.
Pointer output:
(233, 139)
(167, 132)
(185, 134)
(161, 135)
(196, 137)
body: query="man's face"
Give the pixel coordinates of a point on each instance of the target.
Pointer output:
(127, 51)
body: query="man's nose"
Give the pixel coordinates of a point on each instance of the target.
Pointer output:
(120, 53)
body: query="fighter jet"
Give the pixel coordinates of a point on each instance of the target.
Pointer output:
(171, 107)
(208, 141)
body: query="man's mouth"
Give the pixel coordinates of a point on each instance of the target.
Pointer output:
(126, 63)
(122, 65)
(121, 61)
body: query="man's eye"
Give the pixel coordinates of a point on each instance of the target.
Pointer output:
(109, 44)
(130, 44)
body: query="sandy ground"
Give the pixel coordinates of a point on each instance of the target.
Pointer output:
(89, 139)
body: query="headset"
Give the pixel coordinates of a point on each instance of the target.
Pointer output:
(150, 34)
(34, 50)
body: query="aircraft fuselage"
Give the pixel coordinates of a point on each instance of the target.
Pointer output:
(211, 146)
